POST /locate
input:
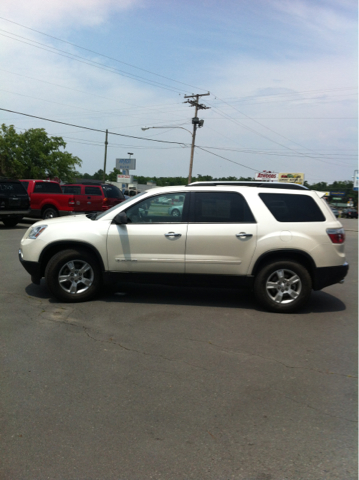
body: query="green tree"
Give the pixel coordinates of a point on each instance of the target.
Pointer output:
(33, 154)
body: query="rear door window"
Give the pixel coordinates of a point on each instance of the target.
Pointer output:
(292, 208)
(220, 207)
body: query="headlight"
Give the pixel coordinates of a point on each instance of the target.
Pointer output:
(35, 232)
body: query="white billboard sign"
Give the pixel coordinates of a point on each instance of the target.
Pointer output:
(123, 178)
(126, 163)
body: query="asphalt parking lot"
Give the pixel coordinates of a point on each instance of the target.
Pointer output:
(174, 383)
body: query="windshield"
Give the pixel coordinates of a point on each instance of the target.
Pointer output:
(100, 215)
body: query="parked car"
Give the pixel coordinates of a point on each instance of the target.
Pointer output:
(14, 202)
(101, 196)
(350, 213)
(282, 241)
(334, 210)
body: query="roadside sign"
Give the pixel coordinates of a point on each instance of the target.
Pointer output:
(291, 178)
(126, 163)
(355, 180)
(124, 178)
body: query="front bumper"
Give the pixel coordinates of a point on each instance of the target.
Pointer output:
(325, 276)
(33, 268)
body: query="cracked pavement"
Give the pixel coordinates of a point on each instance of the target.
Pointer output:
(174, 383)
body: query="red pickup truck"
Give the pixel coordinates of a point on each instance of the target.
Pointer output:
(49, 201)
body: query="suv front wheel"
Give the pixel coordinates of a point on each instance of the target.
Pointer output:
(73, 276)
(283, 286)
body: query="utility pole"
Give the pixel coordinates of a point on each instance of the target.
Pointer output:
(104, 163)
(196, 122)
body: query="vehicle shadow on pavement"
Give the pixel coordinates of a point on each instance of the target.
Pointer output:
(320, 302)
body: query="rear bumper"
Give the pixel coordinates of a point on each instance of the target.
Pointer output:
(325, 276)
(12, 213)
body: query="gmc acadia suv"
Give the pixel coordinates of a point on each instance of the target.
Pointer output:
(281, 240)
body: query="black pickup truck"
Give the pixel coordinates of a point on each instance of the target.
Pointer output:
(14, 202)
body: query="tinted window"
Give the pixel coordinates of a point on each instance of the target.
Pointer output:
(75, 190)
(111, 191)
(221, 207)
(25, 185)
(47, 187)
(93, 191)
(10, 188)
(292, 208)
(158, 209)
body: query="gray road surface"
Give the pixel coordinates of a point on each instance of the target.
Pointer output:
(167, 383)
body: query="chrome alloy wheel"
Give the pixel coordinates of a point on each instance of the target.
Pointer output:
(283, 286)
(76, 276)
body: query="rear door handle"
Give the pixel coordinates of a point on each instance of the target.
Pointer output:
(244, 235)
(173, 234)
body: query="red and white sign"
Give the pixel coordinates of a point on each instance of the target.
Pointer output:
(267, 176)
(124, 178)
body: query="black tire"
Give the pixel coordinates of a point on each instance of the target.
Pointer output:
(49, 212)
(283, 286)
(175, 213)
(73, 276)
(10, 222)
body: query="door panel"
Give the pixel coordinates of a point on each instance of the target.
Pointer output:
(222, 234)
(216, 248)
(147, 247)
(94, 198)
(154, 239)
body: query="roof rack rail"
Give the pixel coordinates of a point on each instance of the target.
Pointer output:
(282, 185)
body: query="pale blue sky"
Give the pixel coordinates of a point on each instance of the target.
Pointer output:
(282, 76)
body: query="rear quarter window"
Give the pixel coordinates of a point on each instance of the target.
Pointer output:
(11, 188)
(292, 208)
(111, 191)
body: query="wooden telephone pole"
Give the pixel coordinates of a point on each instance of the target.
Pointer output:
(193, 100)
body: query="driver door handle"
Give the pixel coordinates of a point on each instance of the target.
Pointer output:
(173, 234)
(244, 235)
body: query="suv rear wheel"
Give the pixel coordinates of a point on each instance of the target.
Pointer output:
(283, 286)
(73, 276)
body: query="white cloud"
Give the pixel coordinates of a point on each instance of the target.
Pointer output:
(36, 13)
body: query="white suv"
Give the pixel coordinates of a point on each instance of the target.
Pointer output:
(281, 240)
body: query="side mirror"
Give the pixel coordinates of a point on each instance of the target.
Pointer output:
(120, 219)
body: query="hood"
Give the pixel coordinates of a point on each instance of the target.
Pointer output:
(67, 219)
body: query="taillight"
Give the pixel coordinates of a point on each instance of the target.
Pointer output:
(336, 235)
(105, 200)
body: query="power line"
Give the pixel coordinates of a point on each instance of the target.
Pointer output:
(92, 63)
(101, 54)
(92, 129)
(149, 139)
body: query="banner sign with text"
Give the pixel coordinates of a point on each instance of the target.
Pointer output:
(126, 163)
(280, 177)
